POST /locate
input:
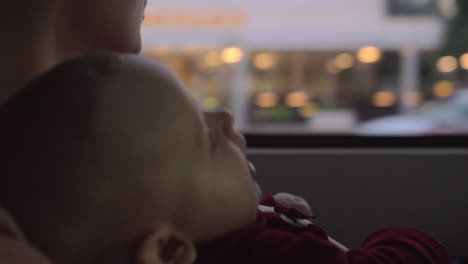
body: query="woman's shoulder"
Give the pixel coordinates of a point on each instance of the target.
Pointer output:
(13, 246)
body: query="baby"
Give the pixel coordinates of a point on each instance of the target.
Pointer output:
(108, 159)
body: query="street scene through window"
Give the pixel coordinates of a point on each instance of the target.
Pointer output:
(365, 67)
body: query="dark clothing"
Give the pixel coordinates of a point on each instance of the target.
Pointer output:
(13, 247)
(286, 236)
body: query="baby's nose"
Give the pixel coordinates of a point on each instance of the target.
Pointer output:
(226, 121)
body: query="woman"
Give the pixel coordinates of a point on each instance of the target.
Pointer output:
(37, 35)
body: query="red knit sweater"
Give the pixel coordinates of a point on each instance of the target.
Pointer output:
(280, 236)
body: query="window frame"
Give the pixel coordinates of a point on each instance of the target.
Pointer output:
(285, 141)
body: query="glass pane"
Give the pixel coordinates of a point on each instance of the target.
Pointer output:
(319, 66)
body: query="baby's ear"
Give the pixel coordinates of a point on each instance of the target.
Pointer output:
(166, 245)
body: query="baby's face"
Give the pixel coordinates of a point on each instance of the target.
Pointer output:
(227, 194)
(205, 175)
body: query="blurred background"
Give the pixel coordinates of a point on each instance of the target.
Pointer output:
(366, 67)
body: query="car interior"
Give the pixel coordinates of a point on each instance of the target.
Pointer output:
(358, 106)
(356, 190)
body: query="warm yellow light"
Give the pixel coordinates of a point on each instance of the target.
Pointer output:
(296, 99)
(264, 61)
(443, 89)
(344, 61)
(412, 99)
(384, 99)
(211, 59)
(211, 103)
(267, 99)
(308, 110)
(331, 67)
(464, 61)
(447, 64)
(231, 55)
(369, 54)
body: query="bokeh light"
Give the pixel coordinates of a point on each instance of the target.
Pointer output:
(369, 54)
(232, 55)
(443, 89)
(344, 61)
(384, 99)
(266, 99)
(211, 103)
(265, 61)
(464, 61)
(296, 99)
(447, 64)
(211, 59)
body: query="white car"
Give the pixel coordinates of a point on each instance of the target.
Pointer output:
(449, 116)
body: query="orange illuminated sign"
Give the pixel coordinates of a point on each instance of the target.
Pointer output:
(195, 19)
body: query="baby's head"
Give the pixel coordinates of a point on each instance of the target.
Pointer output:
(108, 158)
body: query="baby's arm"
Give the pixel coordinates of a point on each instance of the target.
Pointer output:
(387, 245)
(280, 238)
(391, 245)
(400, 245)
(288, 200)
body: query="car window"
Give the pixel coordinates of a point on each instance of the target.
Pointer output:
(465, 112)
(341, 67)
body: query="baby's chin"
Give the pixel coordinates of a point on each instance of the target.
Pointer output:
(259, 192)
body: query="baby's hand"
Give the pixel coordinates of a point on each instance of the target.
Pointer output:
(290, 201)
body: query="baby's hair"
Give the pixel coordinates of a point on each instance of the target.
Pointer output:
(64, 94)
(49, 119)
(48, 153)
(82, 149)
(52, 114)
